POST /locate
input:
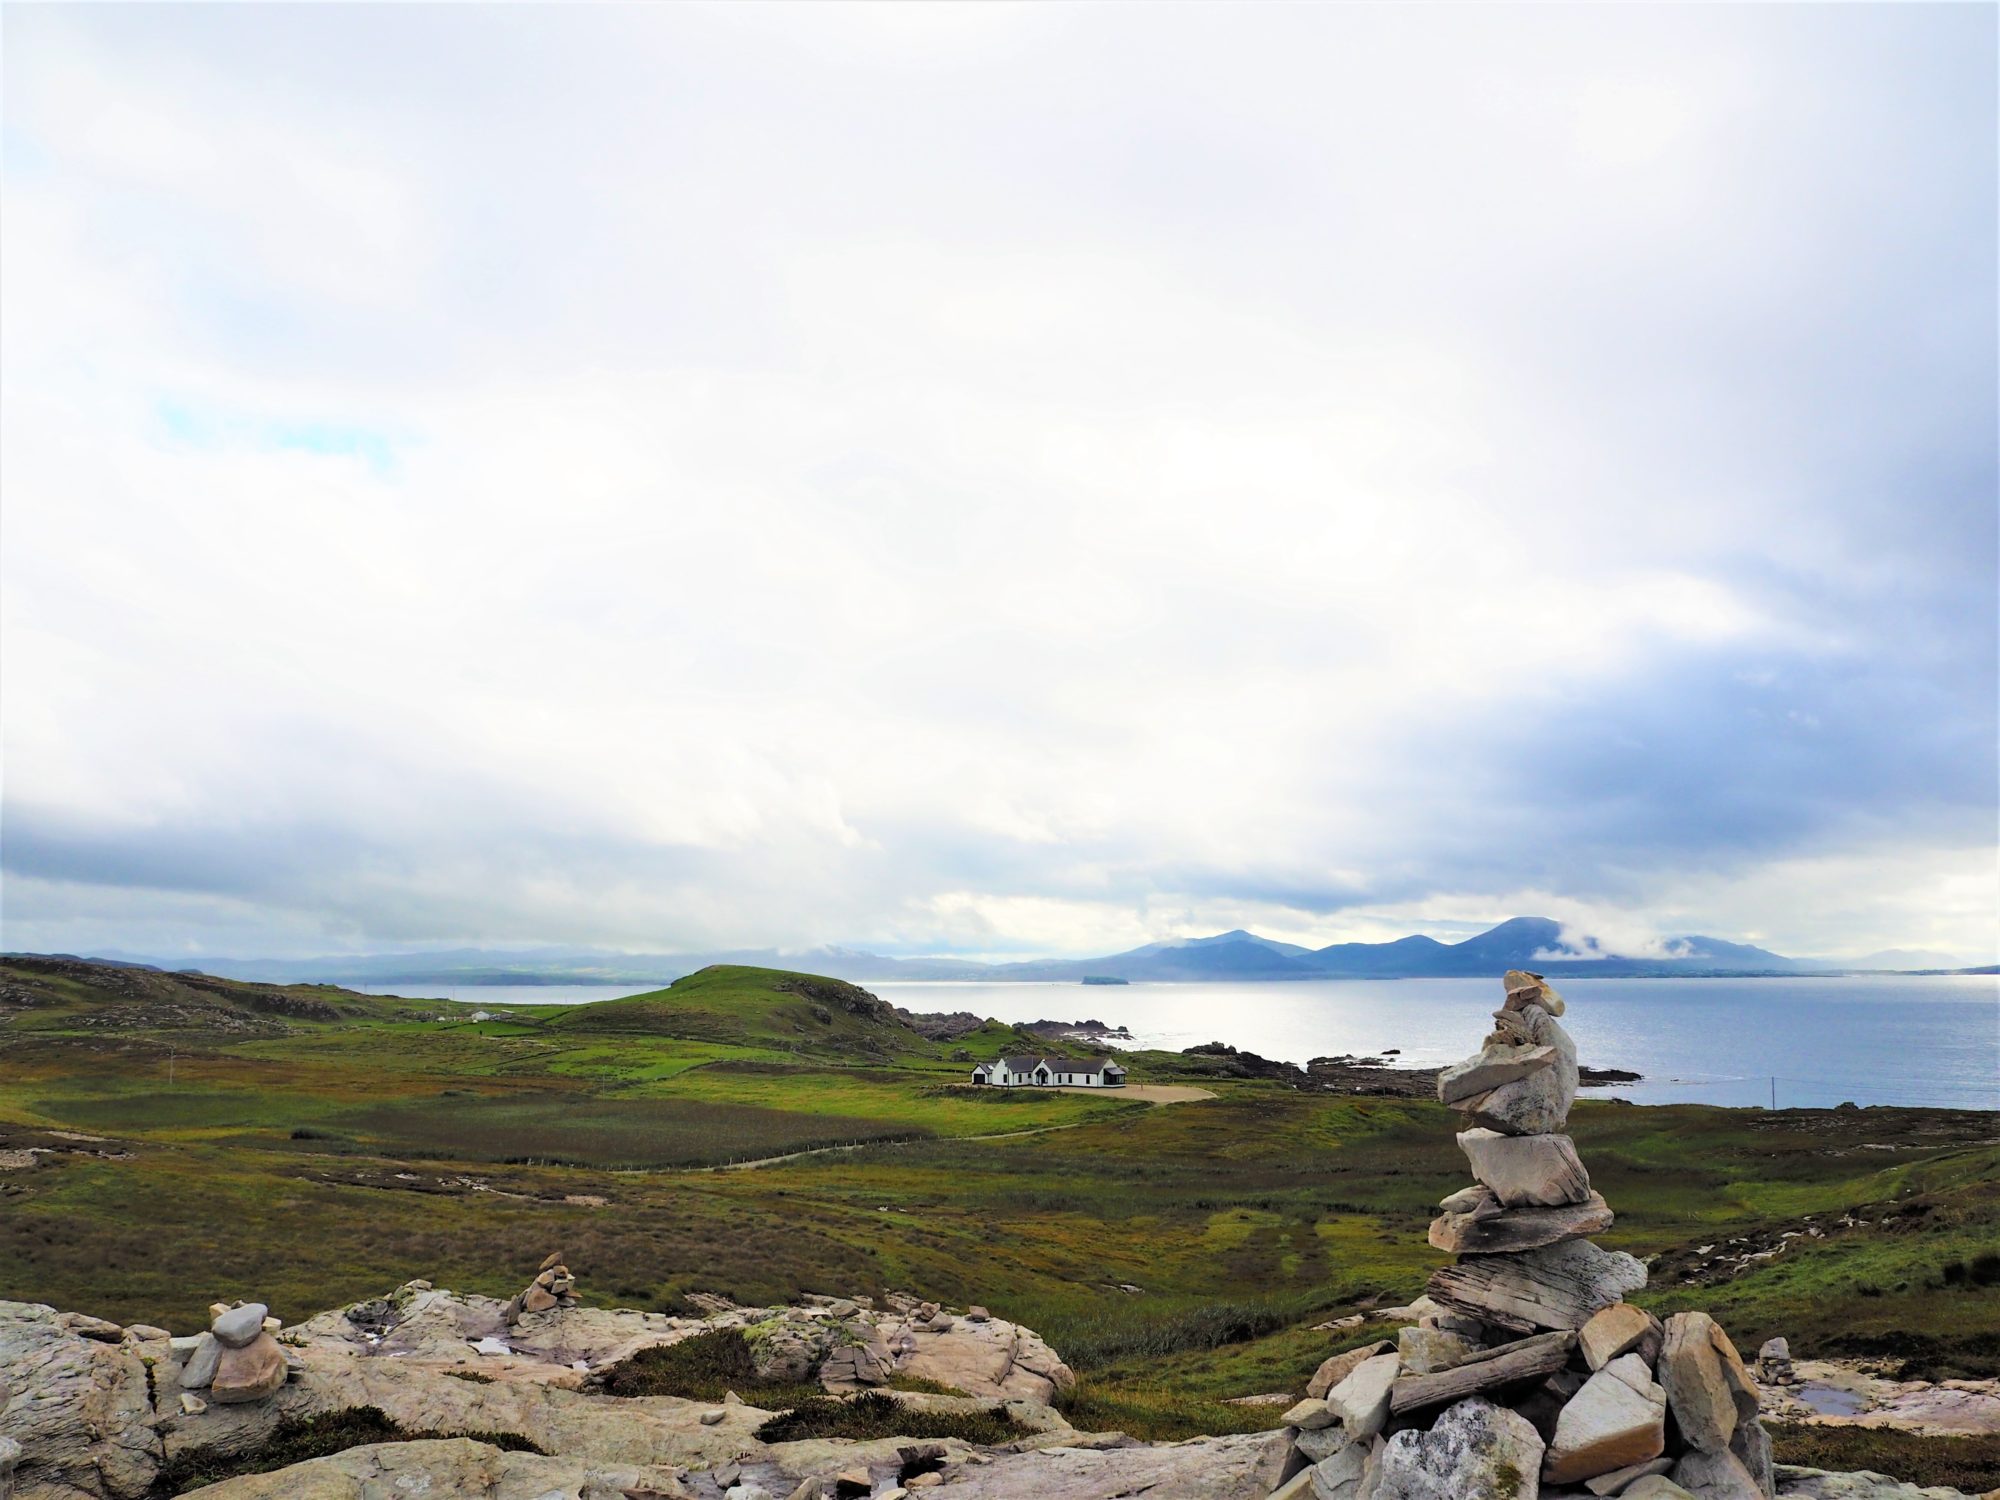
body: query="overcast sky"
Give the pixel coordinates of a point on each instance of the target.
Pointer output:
(997, 479)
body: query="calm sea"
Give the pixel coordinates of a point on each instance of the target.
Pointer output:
(1932, 1040)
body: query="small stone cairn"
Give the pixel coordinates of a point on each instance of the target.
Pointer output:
(1531, 1376)
(237, 1360)
(553, 1287)
(1774, 1362)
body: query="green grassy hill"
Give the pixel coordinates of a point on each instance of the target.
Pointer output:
(753, 1007)
(63, 993)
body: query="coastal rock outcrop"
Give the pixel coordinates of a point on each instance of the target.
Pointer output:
(101, 1420)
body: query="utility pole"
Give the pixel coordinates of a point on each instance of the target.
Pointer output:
(1774, 1091)
(170, 1067)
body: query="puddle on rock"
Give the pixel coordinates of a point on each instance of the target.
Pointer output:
(1831, 1400)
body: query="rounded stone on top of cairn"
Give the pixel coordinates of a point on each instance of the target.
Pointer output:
(1532, 1370)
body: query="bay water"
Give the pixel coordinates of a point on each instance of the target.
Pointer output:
(1805, 1041)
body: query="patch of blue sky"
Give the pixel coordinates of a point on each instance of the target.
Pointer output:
(191, 426)
(23, 156)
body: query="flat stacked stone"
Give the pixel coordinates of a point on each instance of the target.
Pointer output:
(1533, 1376)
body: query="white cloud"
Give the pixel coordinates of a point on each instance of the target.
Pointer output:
(961, 478)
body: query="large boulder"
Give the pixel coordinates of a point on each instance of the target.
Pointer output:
(1707, 1384)
(1474, 1451)
(993, 1358)
(790, 1348)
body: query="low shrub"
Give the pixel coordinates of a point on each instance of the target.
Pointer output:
(1981, 1270)
(703, 1368)
(875, 1415)
(295, 1440)
(1160, 1414)
(1141, 1333)
(1968, 1463)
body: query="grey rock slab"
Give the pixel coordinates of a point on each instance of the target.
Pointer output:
(1491, 1066)
(1309, 1416)
(1523, 988)
(1506, 1231)
(458, 1467)
(1752, 1447)
(80, 1409)
(199, 1367)
(1425, 1351)
(1217, 1468)
(1319, 1444)
(1474, 1451)
(1470, 1200)
(1339, 1477)
(1795, 1483)
(1636, 1373)
(1508, 1366)
(1526, 1171)
(1560, 1286)
(1698, 1386)
(238, 1327)
(1539, 1102)
(1620, 1480)
(1360, 1403)
(1716, 1476)
(1655, 1487)
(1338, 1367)
(1613, 1331)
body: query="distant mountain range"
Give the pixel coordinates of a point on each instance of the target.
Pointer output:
(1521, 942)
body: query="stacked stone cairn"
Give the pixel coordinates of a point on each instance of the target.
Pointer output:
(236, 1360)
(553, 1287)
(1531, 1376)
(1774, 1362)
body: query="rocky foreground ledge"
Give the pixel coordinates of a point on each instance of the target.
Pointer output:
(95, 1411)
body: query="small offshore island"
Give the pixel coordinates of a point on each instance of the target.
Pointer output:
(1183, 1260)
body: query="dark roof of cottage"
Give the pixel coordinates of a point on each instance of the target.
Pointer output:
(1092, 1065)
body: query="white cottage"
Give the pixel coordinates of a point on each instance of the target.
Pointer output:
(1051, 1072)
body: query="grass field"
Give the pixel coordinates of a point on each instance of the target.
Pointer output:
(311, 1154)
